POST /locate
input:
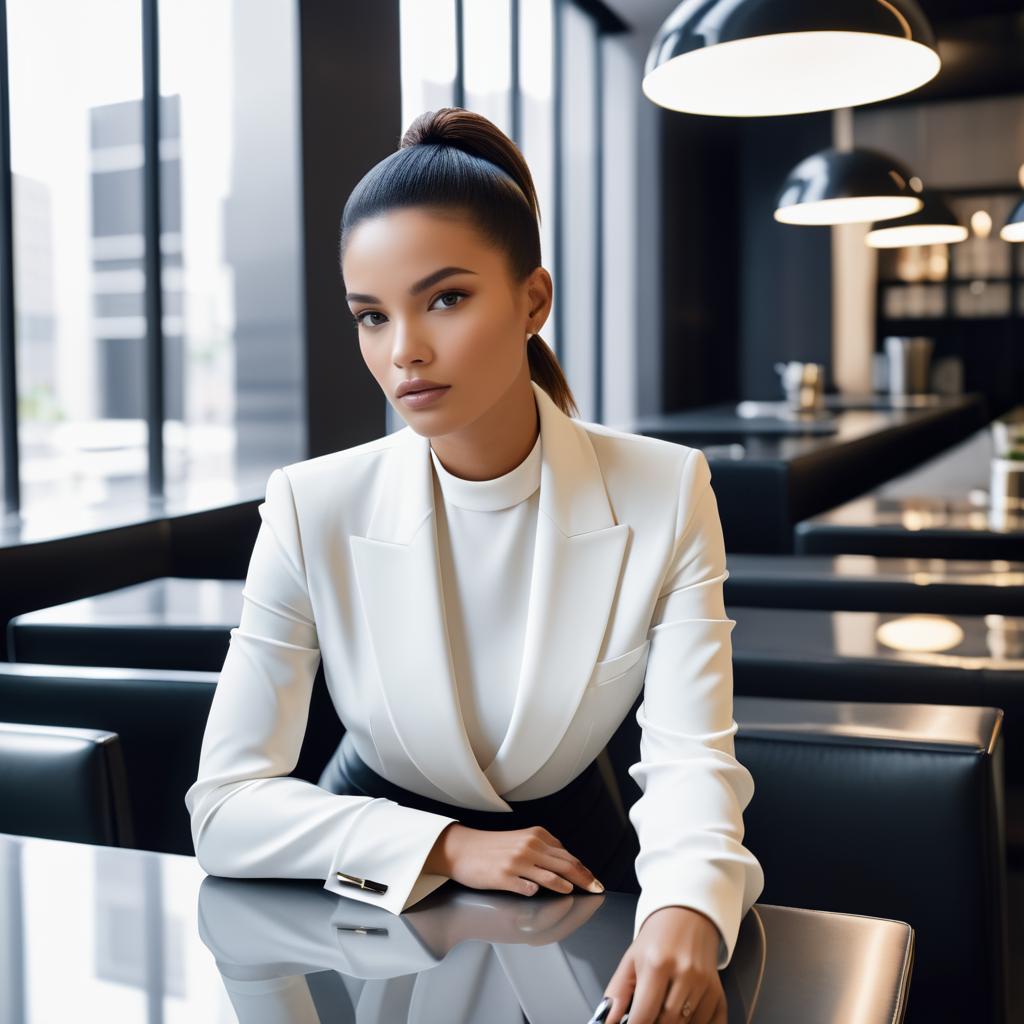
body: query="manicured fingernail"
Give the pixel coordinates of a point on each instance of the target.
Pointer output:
(596, 886)
(602, 1011)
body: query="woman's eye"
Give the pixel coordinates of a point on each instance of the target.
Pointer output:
(358, 320)
(445, 295)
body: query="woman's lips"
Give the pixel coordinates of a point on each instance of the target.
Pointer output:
(421, 399)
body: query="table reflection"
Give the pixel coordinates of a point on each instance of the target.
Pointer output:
(295, 952)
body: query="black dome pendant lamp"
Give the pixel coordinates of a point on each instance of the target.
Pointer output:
(1013, 229)
(845, 187)
(934, 224)
(750, 58)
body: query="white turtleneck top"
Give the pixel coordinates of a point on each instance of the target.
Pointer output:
(485, 536)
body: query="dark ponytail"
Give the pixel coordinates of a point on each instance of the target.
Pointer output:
(453, 157)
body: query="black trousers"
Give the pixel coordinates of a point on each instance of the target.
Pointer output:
(583, 815)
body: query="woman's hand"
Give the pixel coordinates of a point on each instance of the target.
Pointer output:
(670, 971)
(522, 861)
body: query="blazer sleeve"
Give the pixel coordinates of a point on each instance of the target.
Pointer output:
(689, 817)
(248, 817)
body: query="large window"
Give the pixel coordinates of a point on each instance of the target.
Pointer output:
(226, 358)
(487, 60)
(233, 277)
(76, 139)
(536, 136)
(579, 220)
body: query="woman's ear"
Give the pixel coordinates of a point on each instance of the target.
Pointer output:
(539, 289)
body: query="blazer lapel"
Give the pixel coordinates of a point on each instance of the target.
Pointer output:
(578, 558)
(399, 579)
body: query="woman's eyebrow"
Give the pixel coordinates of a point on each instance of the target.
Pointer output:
(419, 286)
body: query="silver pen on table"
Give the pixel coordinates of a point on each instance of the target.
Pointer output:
(603, 1009)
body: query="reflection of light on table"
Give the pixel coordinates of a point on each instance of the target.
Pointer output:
(1005, 636)
(920, 633)
(854, 512)
(855, 565)
(921, 519)
(988, 579)
(925, 571)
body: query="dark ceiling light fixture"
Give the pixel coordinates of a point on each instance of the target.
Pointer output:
(754, 58)
(1013, 229)
(846, 187)
(934, 224)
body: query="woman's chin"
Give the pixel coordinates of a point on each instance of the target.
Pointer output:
(425, 423)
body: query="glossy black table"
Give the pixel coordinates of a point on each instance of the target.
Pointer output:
(941, 508)
(169, 622)
(775, 417)
(97, 933)
(768, 474)
(872, 583)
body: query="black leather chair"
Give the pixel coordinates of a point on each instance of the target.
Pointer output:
(860, 807)
(160, 717)
(890, 810)
(61, 783)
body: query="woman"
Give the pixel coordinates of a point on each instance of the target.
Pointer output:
(490, 589)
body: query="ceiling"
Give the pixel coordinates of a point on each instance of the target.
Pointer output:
(649, 14)
(643, 15)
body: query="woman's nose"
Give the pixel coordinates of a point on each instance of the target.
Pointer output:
(408, 346)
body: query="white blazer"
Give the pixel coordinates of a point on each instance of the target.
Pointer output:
(626, 594)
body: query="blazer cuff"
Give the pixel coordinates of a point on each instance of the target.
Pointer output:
(389, 843)
(702, 887)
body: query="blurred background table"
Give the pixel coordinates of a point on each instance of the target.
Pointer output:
(873, 583)
(940, 508)
(168, 622)
(770, 471)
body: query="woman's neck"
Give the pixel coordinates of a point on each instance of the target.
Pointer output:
(497, 442)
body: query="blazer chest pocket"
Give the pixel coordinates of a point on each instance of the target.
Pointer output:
(613, 687)
(622, 665)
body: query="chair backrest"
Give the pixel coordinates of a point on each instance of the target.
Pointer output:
(60, 783)
(160, 716)
(888, 810)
